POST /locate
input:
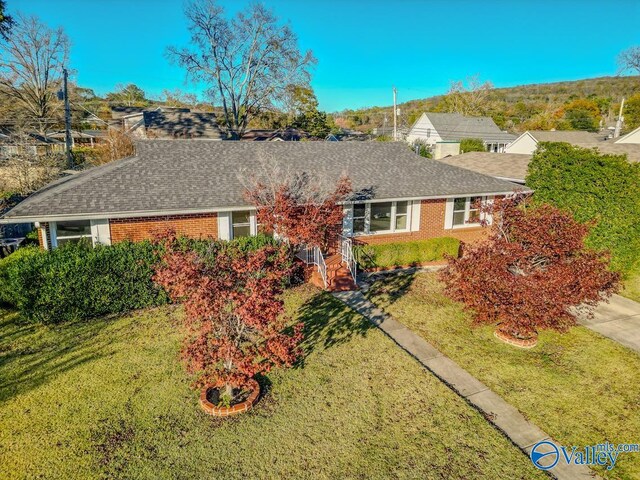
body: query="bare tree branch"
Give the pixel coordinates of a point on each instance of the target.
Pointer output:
(247, 61)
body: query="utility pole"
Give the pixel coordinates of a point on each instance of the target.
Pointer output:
(67, 121)
(616, 132)
(395, 120)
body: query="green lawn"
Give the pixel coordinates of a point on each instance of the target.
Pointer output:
(632, 286)
(109, 399)
(579, 387)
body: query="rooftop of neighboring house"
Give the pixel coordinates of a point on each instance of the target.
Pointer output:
(267, 135)
(182, 124)
(509, 166)
(27, 138)
(513, 166)
(181, 176)
(453, 127)
(569, 136)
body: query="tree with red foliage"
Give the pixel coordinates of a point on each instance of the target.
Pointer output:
(233, 312)
(531, 271)
(296, 207)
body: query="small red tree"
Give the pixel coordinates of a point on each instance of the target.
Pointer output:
(300, 209)
(531, 270)
(233, 312)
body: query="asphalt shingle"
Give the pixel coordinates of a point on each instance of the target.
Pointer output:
(199, 175)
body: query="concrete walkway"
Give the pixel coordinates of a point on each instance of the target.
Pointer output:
(618, 320)
(502, 415)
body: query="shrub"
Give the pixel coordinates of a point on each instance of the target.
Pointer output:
(406, 253)
(77, 281)
(7, 264)
(531, 271)
(472, 145)
(602, 189)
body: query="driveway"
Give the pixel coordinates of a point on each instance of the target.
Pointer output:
(618, 320)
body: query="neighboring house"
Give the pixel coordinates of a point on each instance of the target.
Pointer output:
(280, 135)
(166, 123)
(513, 166)
(433, 127)
(506, 166)
(31, 143)
(85, 138)
(631, 137)
(527, 142)
(197, 188)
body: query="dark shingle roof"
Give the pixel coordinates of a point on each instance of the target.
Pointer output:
(182, 175)
(180, 124)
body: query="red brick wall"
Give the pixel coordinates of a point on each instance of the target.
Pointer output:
(200, 225)
(431, 226)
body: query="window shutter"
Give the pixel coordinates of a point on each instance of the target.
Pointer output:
(415, 215)
(448, 214)
(224, 225)
(101, 232)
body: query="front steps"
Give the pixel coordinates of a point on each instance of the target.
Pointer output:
(338, 276)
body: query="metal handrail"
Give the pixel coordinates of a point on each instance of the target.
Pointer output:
(318, 260)
(314, 256)
(346, 250)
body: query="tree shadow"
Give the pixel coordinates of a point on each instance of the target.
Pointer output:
(32, 355)
(388, 288)
(328, 323)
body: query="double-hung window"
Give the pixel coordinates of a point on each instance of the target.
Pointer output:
(466, 211)
(241, 223)
(74, 231)
(380, 217)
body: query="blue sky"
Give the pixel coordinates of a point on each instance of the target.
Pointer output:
(363, 47)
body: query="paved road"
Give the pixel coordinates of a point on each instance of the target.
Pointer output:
(618, 320)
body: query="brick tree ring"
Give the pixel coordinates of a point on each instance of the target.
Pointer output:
(236, 409)
(515, 341)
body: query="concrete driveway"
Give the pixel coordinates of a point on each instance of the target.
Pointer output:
(618, 320)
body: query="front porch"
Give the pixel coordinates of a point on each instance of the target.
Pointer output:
(334, 270)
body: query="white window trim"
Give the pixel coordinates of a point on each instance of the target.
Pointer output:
(100, 233)
(253, 224)
(448, 217)
(367, 219)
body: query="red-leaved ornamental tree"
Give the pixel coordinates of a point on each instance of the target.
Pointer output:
(530, 271)
(233, 312)
(305, 211)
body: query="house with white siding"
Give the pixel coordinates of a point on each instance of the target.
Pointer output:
(434, 127)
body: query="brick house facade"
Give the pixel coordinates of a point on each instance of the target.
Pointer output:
(201, 225)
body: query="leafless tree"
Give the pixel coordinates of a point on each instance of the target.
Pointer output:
(470, 97)
(24, 169)
(31, 62)
(247, 61)
(629, 60)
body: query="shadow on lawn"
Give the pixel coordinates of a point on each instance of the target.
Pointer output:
(328, 323)
(31, 355)
(389, 288)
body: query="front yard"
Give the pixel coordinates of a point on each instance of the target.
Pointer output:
(579, 387)
(109, 398)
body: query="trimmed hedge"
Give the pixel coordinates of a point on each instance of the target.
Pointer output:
(406, 253)
(78, 282)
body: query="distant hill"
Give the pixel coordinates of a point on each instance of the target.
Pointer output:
(513, 108)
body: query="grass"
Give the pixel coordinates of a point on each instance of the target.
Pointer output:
(110, 399)
(632, 286)
(579, 387)
(403, 254)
